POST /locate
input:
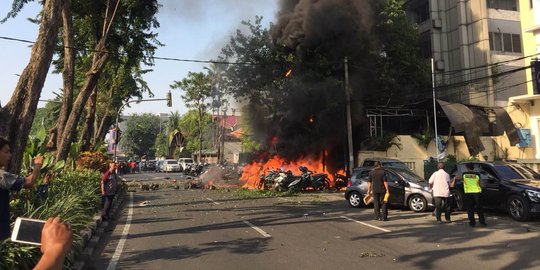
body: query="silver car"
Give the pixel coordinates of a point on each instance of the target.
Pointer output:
(406, 188)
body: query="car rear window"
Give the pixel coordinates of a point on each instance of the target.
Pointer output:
(395, 165)
(412, 177)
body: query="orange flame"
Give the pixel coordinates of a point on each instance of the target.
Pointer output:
(252, 172)
(288, 73)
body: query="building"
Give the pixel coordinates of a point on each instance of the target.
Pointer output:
(467, 39)
(525, 109)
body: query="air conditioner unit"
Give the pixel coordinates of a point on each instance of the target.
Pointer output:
(436, 23)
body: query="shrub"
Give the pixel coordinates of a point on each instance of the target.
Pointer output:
(74, 196)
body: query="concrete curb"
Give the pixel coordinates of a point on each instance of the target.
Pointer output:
(92, 235)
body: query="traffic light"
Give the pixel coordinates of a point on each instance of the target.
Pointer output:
(169, 99)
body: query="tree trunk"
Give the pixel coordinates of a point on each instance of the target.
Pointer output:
(68, 75)
(17, 116)
(102, 130)
(101, 56)
(88, 129)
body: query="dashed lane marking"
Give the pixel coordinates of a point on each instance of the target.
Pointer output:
(366, 224)
(259, 230)
(214, 202)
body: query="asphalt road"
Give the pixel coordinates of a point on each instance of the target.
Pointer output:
(218, 229)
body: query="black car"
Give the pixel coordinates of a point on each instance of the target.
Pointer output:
(509, 186)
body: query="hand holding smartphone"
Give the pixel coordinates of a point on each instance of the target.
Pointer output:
(27, 231)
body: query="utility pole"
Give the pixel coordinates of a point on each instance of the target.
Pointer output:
(434, 105)
(223, 136)
(349, 121)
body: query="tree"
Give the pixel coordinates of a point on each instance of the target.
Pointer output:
(129, 40)
(140, 135)
(197, 88)
(17, 116)
(192, 130)
(403, 76)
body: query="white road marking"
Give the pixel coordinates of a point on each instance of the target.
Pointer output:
(366, 224)
(118, 252)
(259, 230)
(214, 202)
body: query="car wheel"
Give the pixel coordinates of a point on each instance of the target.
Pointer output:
(417, 203)
(458, 201)
(518, 208)
(355, 199)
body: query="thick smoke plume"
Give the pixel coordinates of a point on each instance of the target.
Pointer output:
(320, 33)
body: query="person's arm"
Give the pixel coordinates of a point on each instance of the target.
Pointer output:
(56, 240)
(385, 181)
(31, 179)
(369, 184)
(103, 180)
(431, 180)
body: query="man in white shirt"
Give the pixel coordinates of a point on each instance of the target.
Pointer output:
(440, 184)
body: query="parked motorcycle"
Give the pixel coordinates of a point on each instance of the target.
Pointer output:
(283, 180)
(267, 181)
(308, 180)
(340, 181)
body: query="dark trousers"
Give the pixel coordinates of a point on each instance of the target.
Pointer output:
(442, 204)
(473, 203)
(106, 203)
(378, 203)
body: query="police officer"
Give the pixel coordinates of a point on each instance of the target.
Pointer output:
(472, 191)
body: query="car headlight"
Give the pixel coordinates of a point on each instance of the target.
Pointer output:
(533, 195)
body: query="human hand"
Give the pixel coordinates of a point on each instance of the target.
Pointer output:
(38, 160)
(56, 237)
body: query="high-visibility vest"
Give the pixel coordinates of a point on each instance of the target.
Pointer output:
(471, 183)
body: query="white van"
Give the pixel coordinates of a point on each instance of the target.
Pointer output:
(170, 165)
(185, 162)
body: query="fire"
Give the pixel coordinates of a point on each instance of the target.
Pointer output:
(251, 172)
(288, 73)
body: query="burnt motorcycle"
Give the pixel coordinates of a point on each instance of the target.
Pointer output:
(310, 181)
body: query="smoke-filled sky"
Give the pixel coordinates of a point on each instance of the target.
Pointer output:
(190, 29)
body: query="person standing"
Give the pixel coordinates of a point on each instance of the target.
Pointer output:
(440, 184)
(378, 187)
(472, 192)
(108, 190)
(9, 181)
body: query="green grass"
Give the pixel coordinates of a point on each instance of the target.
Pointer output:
(257, 193)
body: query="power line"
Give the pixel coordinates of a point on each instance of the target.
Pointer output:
(154, 57)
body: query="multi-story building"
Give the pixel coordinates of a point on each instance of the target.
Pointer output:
(525, 109)
(476, 46)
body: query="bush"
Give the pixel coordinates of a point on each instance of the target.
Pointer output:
(92, 161)
(74, 196)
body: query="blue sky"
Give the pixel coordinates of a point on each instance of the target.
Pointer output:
(190, 29)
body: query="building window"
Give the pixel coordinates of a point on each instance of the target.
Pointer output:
(423, 13)
(503, 4)
(505, 42)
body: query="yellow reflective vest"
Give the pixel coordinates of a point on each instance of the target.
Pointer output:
(471, 183)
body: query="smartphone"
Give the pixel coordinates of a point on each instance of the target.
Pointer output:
(27, 231)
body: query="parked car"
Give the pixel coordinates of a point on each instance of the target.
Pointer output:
(406, 188)
(185, 163)
(159, 166)
(509, 186)
(171, 165)
(385, 162)
(150, 165)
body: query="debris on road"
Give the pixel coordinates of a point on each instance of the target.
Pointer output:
(370, 254)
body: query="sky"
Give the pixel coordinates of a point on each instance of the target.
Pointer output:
(190, 29)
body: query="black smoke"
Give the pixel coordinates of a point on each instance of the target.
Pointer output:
(320, 34)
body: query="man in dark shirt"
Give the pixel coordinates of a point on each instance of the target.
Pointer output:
(378, 186)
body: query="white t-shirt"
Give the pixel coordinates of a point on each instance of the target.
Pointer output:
(440, 181)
